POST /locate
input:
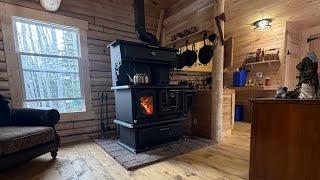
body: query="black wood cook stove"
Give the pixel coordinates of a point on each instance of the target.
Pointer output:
(151, 114)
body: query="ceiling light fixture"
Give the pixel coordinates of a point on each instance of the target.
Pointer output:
(262, 25)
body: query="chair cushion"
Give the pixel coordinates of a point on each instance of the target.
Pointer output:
(16, 138)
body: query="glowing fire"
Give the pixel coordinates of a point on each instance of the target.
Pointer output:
(146, 103)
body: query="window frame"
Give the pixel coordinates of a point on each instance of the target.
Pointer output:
(13, 58)
(16, 19)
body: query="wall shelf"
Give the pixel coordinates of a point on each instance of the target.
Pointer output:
(192, 38)
(269, 63)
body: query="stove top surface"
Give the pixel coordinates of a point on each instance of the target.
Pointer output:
(147, 86)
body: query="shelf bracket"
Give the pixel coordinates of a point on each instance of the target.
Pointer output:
(221, 17)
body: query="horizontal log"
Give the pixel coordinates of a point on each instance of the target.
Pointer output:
(90, 19)
(108, 37)
(2, 56)
(64, 125)
(96, 103)
(85, 130)
(95, 27)
(1, 45)
(95, 95)
(82, 137)
(99, 57)
(84, 124)
(100, 81)
(97, 74)
(100, 89)
(97, 50)
(99, 66)
(5, 93)
(98, 42)
(4, 76)
(3, 67)
(111, 108)
(120, 33)
(4, 85)
(111, 116)
(115, 25)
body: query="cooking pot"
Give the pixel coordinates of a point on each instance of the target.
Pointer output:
(206, 52)
(189, 56)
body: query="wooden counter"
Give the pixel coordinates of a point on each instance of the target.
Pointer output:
(201, 114)
(285, 139)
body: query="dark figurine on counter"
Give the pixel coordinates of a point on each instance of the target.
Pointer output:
(308, 86)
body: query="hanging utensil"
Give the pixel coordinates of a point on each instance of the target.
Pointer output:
(180, 63)
(193, 55)
(206, 52)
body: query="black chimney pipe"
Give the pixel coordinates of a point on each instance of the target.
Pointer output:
(141, 26)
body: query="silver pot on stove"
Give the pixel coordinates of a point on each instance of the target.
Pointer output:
(139, 78)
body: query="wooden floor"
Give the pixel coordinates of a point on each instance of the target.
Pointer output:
(228, 160)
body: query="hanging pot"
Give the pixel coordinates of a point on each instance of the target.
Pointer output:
(213, 38)
(206, 52)
(189, 56)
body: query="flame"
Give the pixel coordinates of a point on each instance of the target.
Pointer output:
(146, 103)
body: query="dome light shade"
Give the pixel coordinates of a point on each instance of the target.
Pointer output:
(262, 25)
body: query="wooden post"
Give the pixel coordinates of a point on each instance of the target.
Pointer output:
(217, 78)
(160, 25)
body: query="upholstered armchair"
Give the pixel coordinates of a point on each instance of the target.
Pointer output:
(26, 134)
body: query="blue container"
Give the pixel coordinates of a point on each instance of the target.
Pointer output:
(238, 113)
(239, 78)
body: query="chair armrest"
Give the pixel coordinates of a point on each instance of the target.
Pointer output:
(35, 117)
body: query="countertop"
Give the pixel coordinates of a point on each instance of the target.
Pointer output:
(254, 88)
(285, 101)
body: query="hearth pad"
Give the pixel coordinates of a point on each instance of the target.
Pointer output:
(135, 161)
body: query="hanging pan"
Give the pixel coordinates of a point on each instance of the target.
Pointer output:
(189, 56)
(206, 52)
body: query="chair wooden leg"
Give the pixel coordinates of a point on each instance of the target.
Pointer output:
(54, 154)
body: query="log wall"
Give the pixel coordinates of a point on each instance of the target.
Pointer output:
(108, 20)
(4, 83)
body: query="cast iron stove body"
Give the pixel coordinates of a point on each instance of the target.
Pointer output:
(151, 114)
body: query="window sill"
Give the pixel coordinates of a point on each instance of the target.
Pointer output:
(79, 116)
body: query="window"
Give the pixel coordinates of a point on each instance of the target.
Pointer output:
(49, 58)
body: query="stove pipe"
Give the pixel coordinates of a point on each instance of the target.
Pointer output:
(140, 24)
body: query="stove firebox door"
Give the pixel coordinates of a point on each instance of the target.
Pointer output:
(146, 105)
(145, 110)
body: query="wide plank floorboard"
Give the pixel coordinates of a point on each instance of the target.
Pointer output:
(86, 161)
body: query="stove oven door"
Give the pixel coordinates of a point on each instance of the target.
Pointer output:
(144, 110)
(171, 102)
